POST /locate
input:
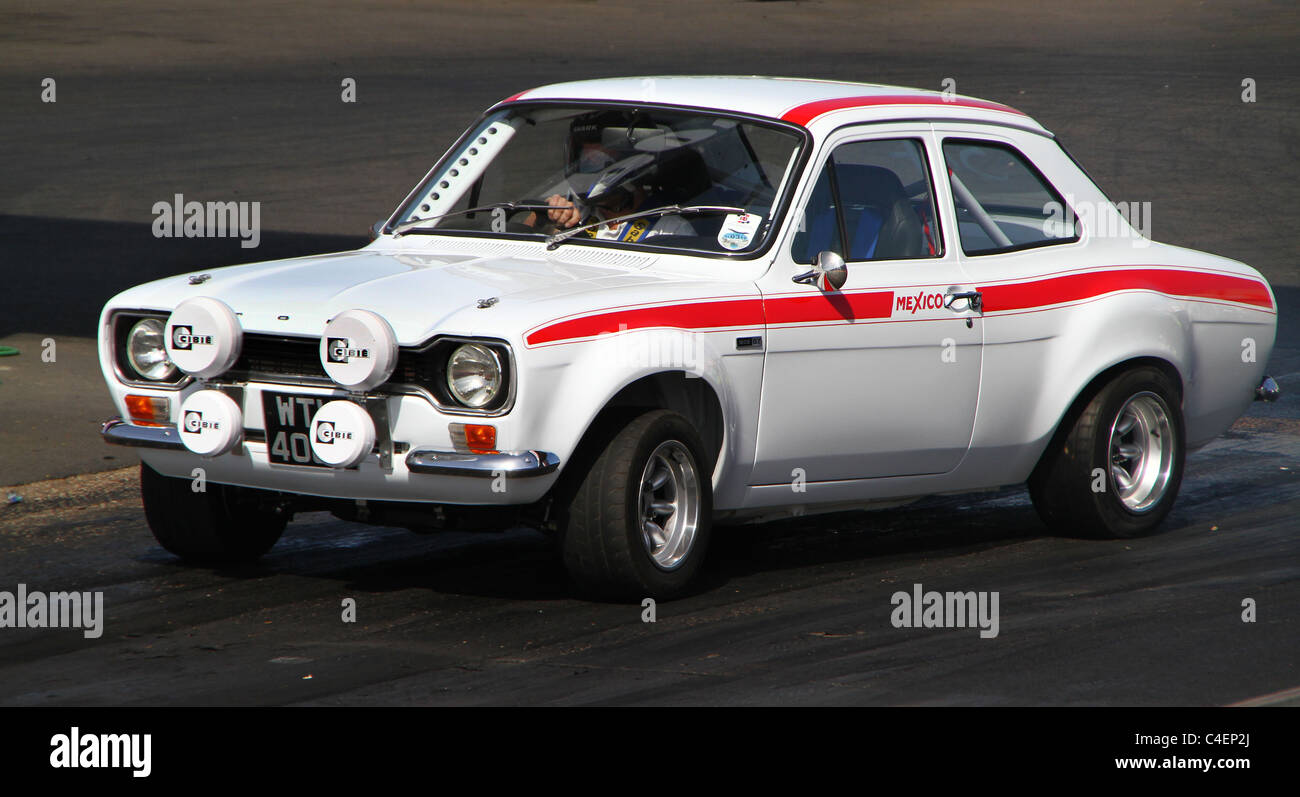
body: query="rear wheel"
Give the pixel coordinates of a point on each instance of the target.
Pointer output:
(1116, 472)
(637, 522)
(221, 525)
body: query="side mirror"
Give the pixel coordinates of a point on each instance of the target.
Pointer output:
(377, 229)
(828, 273)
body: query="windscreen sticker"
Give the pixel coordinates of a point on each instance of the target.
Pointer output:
(738, 229)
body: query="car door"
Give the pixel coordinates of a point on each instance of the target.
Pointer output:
(881, 377)
(1018, 237)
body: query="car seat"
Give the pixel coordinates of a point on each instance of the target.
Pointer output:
(878, 217)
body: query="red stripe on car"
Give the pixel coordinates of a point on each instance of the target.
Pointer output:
(803, 114)
(1073, 287)
(824, 307)
(829, 306)
(696, 315)
(810, 308)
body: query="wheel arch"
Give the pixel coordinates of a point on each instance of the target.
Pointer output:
(690, 396)
(694, 397)
(1090, 390)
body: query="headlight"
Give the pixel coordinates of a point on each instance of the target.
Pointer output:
(146, 352)
(474, 375)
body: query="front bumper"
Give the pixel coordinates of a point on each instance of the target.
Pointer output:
(120, 433)
(512, 464)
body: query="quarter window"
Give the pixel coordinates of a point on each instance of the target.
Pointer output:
(872, 201)
(1002, 201)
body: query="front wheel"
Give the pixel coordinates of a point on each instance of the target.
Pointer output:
(1117, 471)
(637, 523)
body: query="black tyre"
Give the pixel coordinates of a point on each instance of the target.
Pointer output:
(1116, 470)
(222, 525)
(635, 523)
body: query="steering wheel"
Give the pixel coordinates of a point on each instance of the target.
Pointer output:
(518, 226)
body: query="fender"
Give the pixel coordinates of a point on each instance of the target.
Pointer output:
(572, 384)
(1025, 366)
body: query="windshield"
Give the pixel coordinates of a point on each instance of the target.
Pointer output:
(587, 165)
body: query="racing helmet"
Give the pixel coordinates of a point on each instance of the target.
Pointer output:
(603, 163)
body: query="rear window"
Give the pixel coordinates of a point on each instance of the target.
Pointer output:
(1002, 202)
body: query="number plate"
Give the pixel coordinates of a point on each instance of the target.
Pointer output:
(288, 428)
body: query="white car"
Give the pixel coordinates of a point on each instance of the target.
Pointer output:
(622, 310)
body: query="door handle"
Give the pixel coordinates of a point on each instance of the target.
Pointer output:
(974, 300)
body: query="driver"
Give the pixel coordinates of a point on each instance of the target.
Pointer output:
(605, 172)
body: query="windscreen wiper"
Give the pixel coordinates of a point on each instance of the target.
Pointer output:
(413, 225)
(560, 237)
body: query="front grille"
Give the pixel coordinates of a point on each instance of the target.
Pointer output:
(421, 367)
(274, 358)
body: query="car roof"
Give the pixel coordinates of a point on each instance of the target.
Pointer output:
(800, 101)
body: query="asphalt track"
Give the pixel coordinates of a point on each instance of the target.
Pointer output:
(218, 104)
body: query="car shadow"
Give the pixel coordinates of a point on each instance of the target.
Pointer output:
(524, 565)
(947, 525)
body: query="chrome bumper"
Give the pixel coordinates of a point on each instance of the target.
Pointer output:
(514, 464)
(120, 433)
(1268, 390)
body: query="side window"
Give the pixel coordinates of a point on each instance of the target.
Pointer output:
(872, 201)
(1002, 201)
